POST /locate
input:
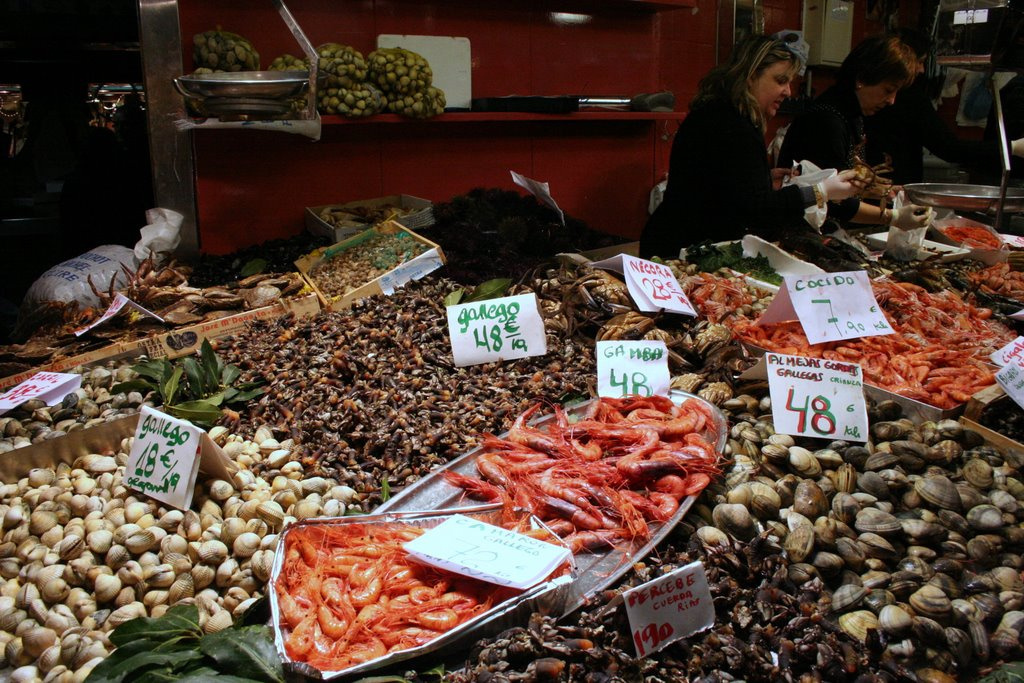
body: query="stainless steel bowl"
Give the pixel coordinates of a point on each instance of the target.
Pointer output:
(246, 84)
(964, 197)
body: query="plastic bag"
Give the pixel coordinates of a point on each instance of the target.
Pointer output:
(657, 196)
(905, 245)
(69, 281)
(811, 175)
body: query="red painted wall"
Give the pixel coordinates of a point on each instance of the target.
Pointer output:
(252, 186)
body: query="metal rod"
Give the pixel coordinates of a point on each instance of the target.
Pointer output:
(1004, 153)
(308, 50)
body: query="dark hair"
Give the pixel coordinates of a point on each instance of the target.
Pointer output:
(918, 41)
(878, 59)
(730, 81)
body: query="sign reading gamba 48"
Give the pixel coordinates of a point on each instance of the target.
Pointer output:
(164, 459)
(497, 329)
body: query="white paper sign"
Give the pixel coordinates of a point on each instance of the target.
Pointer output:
(483, 551)
(632, 368)
(496, 330)
(164, 459)
(668, 608)
(816, 397)
(1013, 240)
(414, 269)
(829, 307)
(652, 285)
(49, 387)
(1011, 353)
(119, 302)
(539, 190)
(1019, 315)
(1011, 379)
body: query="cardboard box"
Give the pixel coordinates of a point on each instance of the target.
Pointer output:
(427, 262)
(178, 342)
(421, 218)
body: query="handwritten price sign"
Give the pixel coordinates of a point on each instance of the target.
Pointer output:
(632, 368)
(119, 302)
(1011, 353)
(164, 461)
(49, 387)
(1011, 379)
(483, 551)
(830, 307)
(817, 397)
(668, 608)
(654, 287)
(497, 329)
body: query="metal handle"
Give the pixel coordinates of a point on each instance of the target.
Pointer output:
(1004, 153)
(308, 50)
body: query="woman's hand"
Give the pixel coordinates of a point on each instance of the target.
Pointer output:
(911, 216)
(842, 185)
(779, 176)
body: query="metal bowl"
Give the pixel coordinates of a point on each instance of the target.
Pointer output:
(964, 197)
(246, 84)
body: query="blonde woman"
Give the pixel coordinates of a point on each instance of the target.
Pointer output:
(720, 184)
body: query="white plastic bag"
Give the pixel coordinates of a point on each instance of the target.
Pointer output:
(69, 281)
(811, 175)
(905, 245)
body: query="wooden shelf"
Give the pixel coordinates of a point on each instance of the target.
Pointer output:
(476, 116)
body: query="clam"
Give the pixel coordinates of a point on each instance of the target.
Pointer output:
(873, 484)
(873, 520)
(804, 462)
(978, 473)
(809, 500)
(858, 624)
(877, 547)
(894, 620)
(799, 543)
(710, 536)
(847, 596)
(939, 491)
(985, 518)
(735, 520)
(930, 601)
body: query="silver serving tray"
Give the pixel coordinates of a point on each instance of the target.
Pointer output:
(964, 197)
(546, 597)
(596, 571)
(244, 84)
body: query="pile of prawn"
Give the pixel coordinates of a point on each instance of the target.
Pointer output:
(999, 279)
(349, 593)
(972, 236)
(718, 298)
(598, 482)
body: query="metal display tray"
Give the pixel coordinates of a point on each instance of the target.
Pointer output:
(546, 597)
(964, 197)
(596, 571)
(274, 85)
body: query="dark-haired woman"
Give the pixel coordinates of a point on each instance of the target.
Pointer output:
(831, 133)
(720, 184)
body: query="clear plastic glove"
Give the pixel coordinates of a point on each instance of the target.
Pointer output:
(841, 186)
(1017, 147)
(911, 217)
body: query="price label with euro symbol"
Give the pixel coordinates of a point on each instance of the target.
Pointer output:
(829, 306)
(817, 397)
(668, 608)
(164, 459)
(48, 387)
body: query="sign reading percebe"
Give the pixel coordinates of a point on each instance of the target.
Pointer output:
(668, 608)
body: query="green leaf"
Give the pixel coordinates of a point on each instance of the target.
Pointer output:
(241, 396)
(204, 675)
(1008, 673)
(153, 369)
(385, 490)
(214, 399)
(177, 621)
(229, 374)
(198, 412)
(488, 290)
(250, 649)
(195, 377)
(256, 265)
(211, 364)
(141, 385)
(257, 614)
(455, 297)
(171, 386)
(436, 671)
(115, 670)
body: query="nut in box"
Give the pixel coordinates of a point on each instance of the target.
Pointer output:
(344, 220)
(345, 597)
(373, 262)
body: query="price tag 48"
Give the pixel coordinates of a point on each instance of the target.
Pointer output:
(817, 397)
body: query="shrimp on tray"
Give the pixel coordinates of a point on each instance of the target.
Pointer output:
(601, 481)
(349, 593)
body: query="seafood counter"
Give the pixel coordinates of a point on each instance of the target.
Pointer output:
(896, 558)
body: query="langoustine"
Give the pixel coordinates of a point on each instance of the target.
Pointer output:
(600, 481)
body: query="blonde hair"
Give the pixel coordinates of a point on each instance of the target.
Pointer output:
(731, 81)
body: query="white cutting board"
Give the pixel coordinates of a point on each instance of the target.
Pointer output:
(449, 58)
